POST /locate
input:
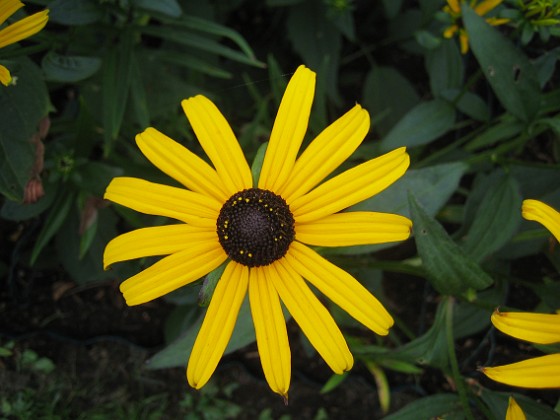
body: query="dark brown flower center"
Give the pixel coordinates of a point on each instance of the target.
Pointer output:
(255, 227)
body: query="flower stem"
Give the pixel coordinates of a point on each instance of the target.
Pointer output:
(457, 378)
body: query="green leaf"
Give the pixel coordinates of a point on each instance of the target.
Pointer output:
(212, 28)
(204, 43)
(445, 67)
(166, 7)
(74, 12)
(388, 96)
(504, 129)
(317, 40)
(449, 270)
(433, 185)
(392, 8)
(496, 220)
(138, 94)
(87, 268)
(178, 353)
(117, 69)
(430, 348)
(67, 68)
(433, 406)
(55, 219)
(511, 75)
(257, 163)
(421, 125)
(22, 107)
(468, 103)
(190, 62)
(333, 382)
(87, 238)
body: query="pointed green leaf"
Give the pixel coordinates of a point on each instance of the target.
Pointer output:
(449, 270)
(423, 124)
(57, 215)
(431, 407)
(445, 67)
(496, 220)
(388, 96)
(68, 68)
(166, 7)
(117, 69)
(511, 75)
(430, 348)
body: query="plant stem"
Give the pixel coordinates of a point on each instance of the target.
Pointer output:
(458, 379)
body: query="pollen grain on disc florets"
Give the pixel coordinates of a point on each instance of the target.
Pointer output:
(255, 227)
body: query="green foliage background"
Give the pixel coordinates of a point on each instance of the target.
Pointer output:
(482, 130)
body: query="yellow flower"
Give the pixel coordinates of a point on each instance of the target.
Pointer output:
(263, 230)
(17, 31)
(539, 372)
(453, 9)
(514, 412)
(544, 214)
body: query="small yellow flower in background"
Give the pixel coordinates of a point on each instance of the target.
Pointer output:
(514, 412)
(482, 8)
(263, 231)
(17, 31)
(544, 214)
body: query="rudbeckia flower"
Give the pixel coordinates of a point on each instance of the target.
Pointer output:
(17, 31)
(453, 9)
(514, 411)
(264, 233)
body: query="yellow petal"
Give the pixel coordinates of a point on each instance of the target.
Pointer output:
(494, 21)
(23, 28)
(544, 214)
(539, 372)
(219, 321)
(332, 147)
(464, 41)
(536, 328)
(5, 76)
(450, 31)
(514, 412)
(354, 228)
(351, 186)
(157, 240)
(163, 200)
(270, 330)
(181, 164)
(172, 272)
(288, 131)
(313, 318)
(340, 287)
(454, 6)
(485, 6)
(8, 8)
(218, 141)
